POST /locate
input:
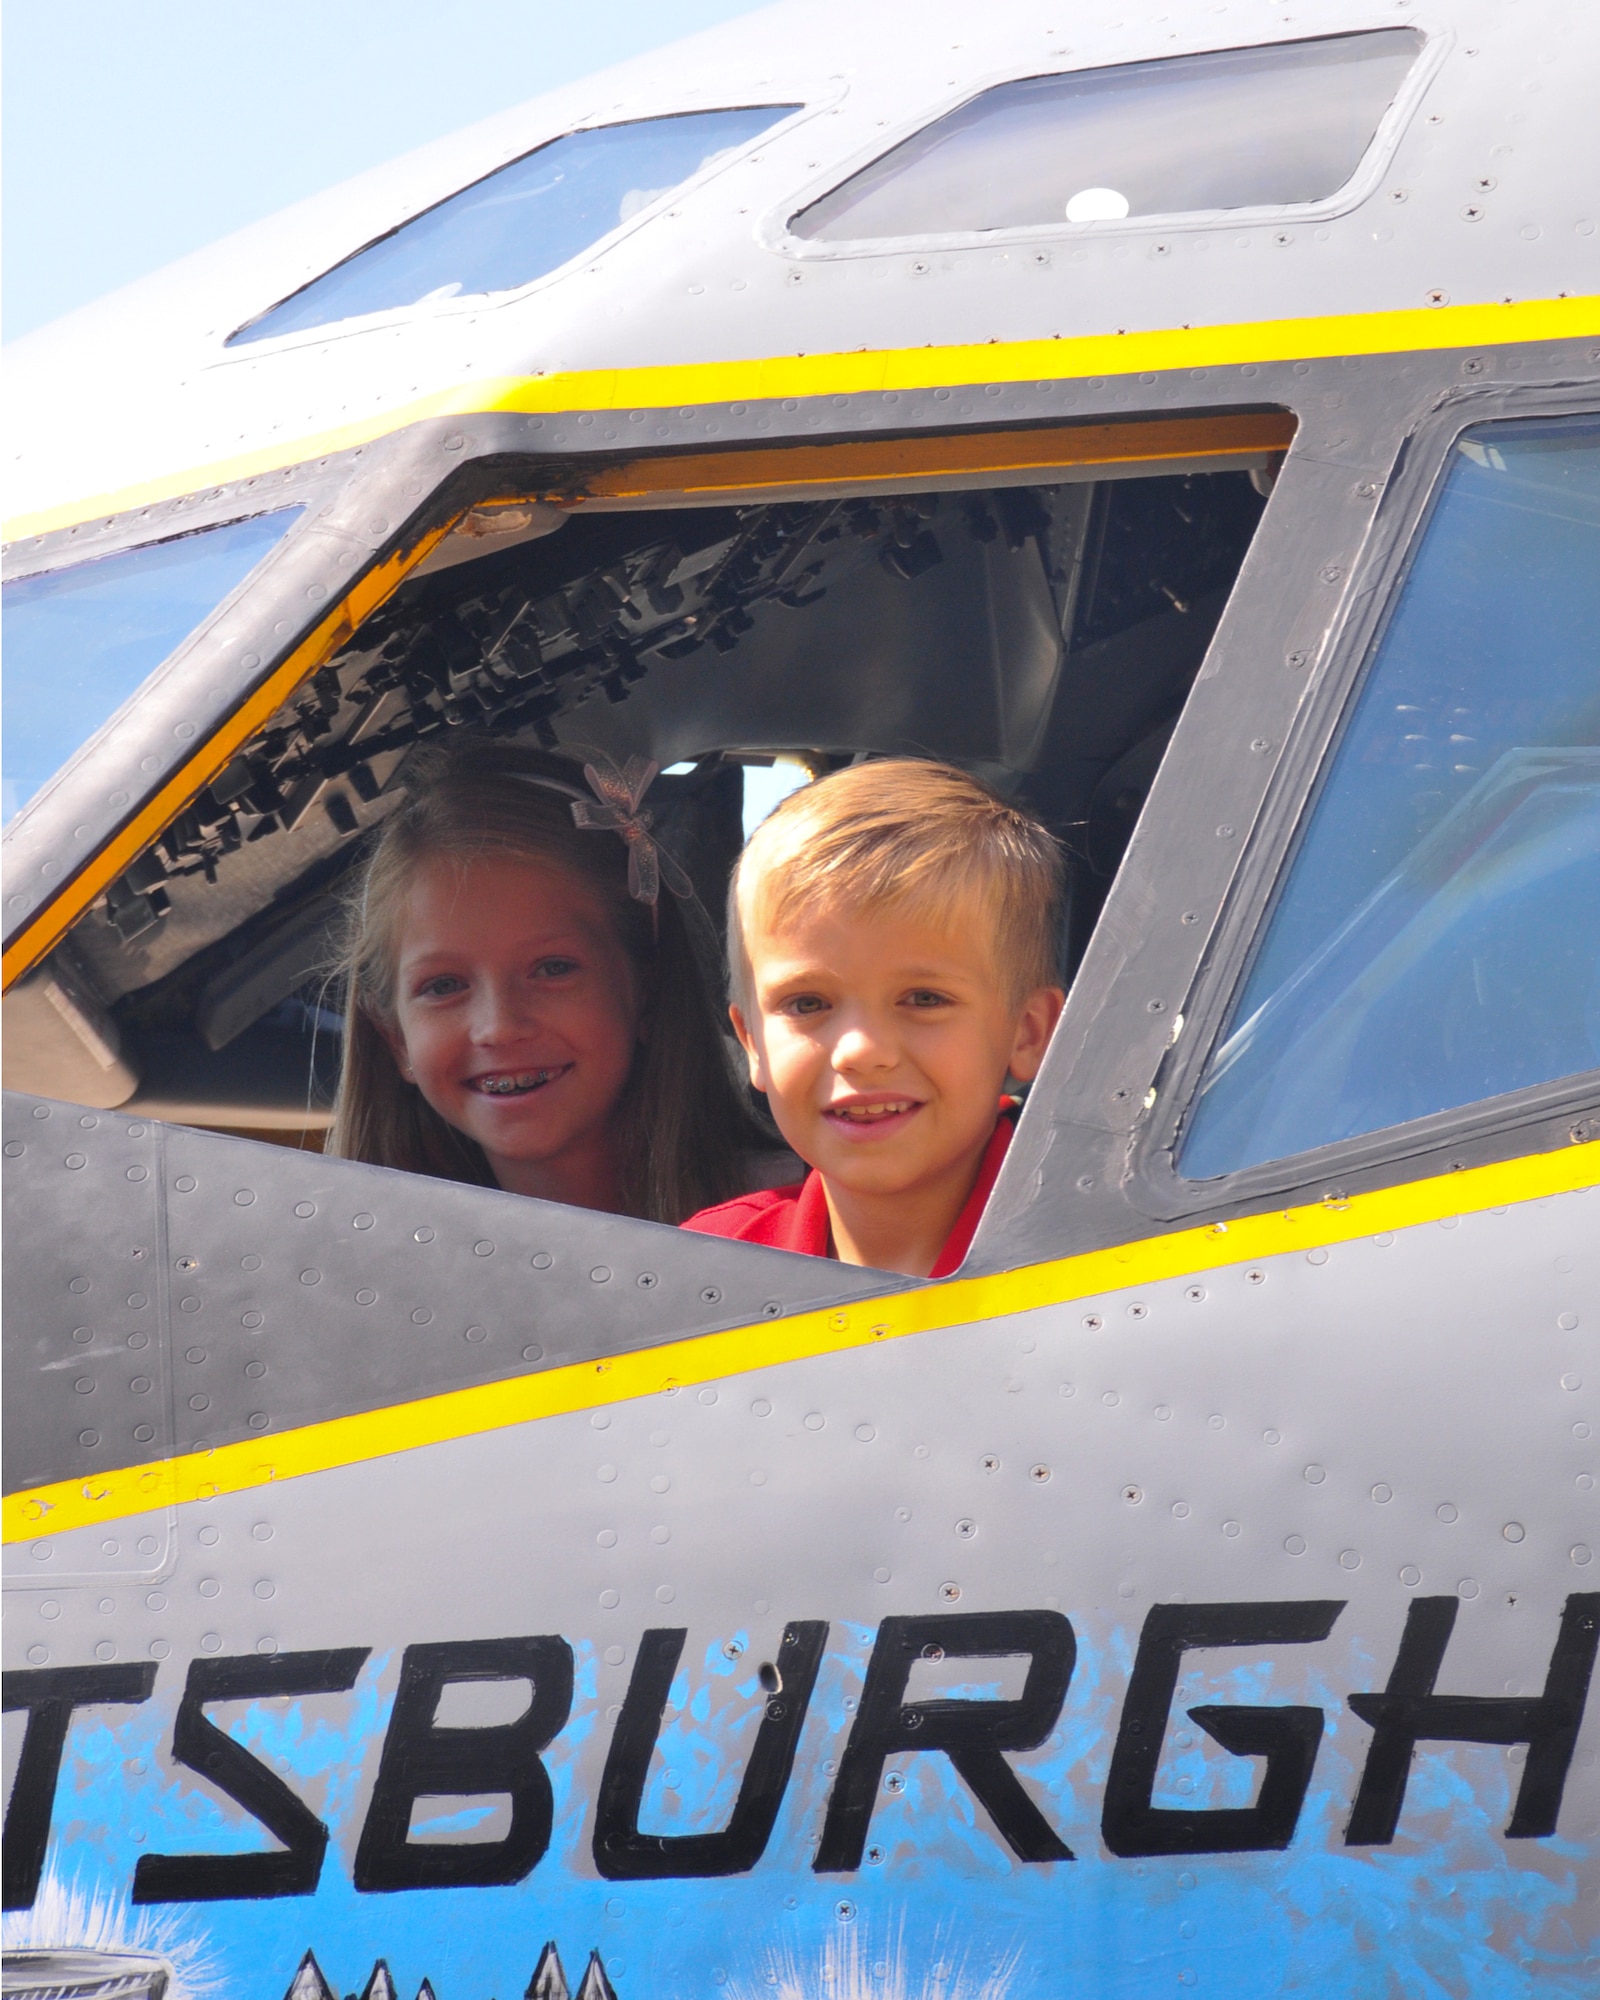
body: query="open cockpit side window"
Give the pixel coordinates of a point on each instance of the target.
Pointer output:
(1041, 631)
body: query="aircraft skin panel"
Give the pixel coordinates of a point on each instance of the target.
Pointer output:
(1466, 199)
(290, 1312)
(584, 396)
(307, 1290)
(1237, 1487)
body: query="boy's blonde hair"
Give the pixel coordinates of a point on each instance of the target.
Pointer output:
(924, 840)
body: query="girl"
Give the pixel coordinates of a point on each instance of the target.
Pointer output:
(519, 1012)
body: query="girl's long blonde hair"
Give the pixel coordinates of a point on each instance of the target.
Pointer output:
(684, 1122)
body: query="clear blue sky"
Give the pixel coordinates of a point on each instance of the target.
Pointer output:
(138, 130)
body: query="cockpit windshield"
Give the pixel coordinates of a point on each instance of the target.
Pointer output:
(81, 641)
(1435, 941)
(522, 221)
(1228, 129)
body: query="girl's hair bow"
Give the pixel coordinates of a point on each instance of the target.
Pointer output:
(617, 808)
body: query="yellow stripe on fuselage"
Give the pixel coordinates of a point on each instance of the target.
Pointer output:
(492, 1406)
(870, 371)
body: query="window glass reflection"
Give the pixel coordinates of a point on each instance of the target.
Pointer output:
(522, 221)
(1234, 128)
(1437, 940)
(80, 641)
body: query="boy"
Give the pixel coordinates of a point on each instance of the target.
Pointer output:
(892, 938)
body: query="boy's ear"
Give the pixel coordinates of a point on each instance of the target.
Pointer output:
(751, 1047)
(1036, 1023)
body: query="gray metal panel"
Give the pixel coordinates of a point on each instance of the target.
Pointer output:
(1404, 1415)
(292, 1288)
(87, 1320)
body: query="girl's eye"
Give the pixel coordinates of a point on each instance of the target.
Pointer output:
(556, 968)
(805, 1003)
(441, 986)
(924, 996)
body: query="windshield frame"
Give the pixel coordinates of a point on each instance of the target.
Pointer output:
(139, 769)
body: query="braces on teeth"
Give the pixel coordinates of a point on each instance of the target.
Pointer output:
(508, 1086)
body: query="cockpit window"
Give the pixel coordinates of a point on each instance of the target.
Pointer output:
(1234, 128)
(80, 641)
(1436, 941)
(520, 222)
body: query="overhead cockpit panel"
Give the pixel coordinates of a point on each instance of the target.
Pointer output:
(1285, 125)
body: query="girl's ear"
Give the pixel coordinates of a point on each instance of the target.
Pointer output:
(395, 1043)
(751, 1047)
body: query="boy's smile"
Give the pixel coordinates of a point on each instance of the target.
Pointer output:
(883, 1045)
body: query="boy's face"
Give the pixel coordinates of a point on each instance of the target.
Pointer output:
(883, 1044)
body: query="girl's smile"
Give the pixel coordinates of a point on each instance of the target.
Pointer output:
(498, 1084)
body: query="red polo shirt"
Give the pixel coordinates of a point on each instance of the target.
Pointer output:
(796, 1218)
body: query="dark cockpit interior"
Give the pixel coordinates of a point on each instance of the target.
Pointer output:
(1044, 636)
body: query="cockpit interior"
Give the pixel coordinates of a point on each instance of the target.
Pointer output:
(1043, 635)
